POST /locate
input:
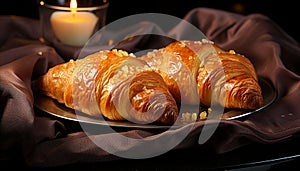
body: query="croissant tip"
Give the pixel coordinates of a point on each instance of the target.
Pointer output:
(254, 102)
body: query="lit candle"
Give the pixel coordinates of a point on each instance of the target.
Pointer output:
(74, 27)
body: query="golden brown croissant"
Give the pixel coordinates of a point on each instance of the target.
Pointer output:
(114, 84)
(201, 70)
(148, 89)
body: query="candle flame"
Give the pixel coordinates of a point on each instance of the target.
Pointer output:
(73, 6)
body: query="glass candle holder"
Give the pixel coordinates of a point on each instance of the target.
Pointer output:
(71, 22)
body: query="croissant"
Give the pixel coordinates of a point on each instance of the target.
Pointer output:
(150, 88)
(114, 84)
(202, 72)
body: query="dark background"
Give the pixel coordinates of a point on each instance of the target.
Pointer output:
(284, 13)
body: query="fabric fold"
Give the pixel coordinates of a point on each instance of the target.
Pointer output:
(45, 141)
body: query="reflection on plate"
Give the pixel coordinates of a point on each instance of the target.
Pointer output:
(56, 109)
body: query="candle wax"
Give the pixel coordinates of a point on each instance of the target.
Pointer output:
(73, 28)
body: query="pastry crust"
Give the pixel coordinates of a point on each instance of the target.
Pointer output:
(207, 73)
(146, 89)
(113, 84)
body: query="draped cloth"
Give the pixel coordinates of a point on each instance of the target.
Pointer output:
(41, 140)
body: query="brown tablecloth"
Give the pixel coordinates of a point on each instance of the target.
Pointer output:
(41, 140)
